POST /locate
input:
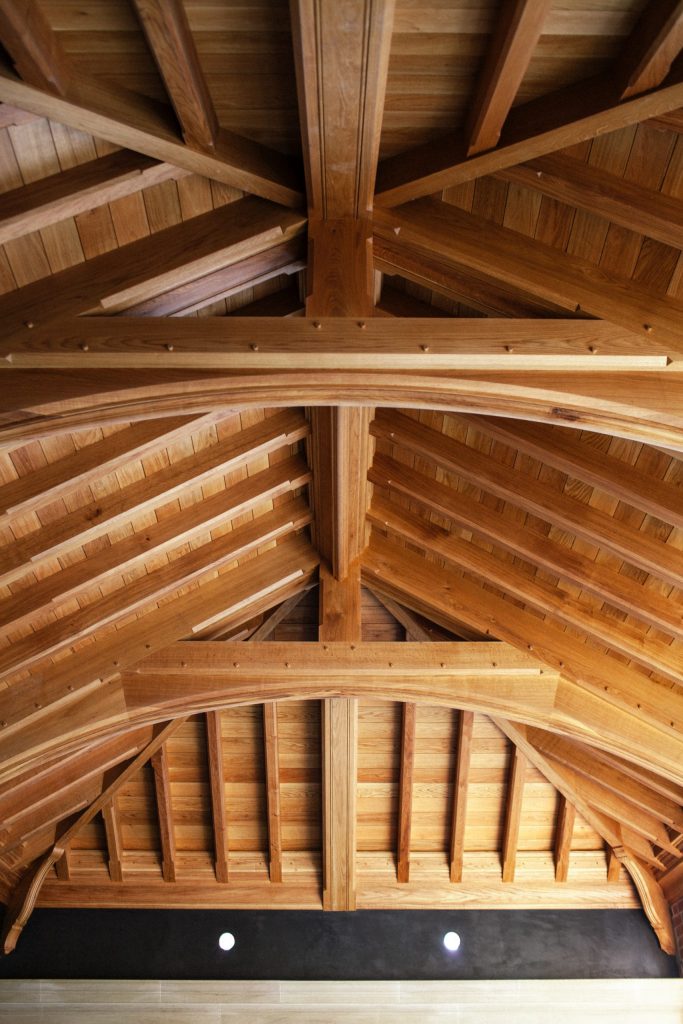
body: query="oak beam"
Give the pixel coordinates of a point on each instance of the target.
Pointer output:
(439, 229)
(219, 814)
(345, 340)
(519, 27)
(557, 606)
(340, 611)
(563, 838)
(272, 762)
(614, 587)
(652, 898)
(341, 55)
(79, 189)
(573, 515)
(460, 791)
(652, 47)
(33, 46)
(170, 40)
(571, 181)
(112, 826)
(405, 791)
(24, 897)
(145, 126)
(598, 468)
(513, 813)
(276, 481)
(162, 789)
(555, 121)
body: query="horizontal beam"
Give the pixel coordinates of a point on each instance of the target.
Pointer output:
(641, 405)
(344, 343)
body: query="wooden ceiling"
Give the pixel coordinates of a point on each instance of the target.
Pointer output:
(341, 544)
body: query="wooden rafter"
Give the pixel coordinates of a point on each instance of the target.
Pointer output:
(143, 126)
(460, 790)
(170, 40)
(513, 812)
(219, 813)
(654, 902)
(405, 796)
(26, 894)
(568, 564)
(112, 826)
(552, 122)
(272, 762)
(652, 48)
(556, 605)
(34, 48)
(518, 30)
(165, 816)
(568, 180)
(437, 228)
(566, 816)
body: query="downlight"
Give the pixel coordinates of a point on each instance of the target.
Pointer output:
(226, 941)
(451, 941)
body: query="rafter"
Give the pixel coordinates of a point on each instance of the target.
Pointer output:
(513, 812)
(454, 236)
(566, 816)
(36, 722)
(140, 124)
(556, 605)
(460, 791)
(519, 27)
(555, 121)
(134, 272)
(576, 183)
(614, 587)
(219, 813)
(24, 897)
(272, 763)
(99, 516)
(405, 791)
(654, 902)
(78, 190)
(170, 40)
(112, 826)
(172, 531)
(35, 49)
(652, 47)
(565, 452)
(533, 496)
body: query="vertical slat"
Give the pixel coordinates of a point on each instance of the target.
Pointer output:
(162, 785)
(340, 611)
(405, 802)
(519, 27)
(513, 813)
(460, 789)
(63, 867)
(112, 827)
(219, 816)
(563, 838)
(170, 40)
(613, 865)
(273, 790)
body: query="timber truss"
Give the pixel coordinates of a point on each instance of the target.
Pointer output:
(341, 601)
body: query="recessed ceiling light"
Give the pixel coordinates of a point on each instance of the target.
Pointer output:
(451, 941)
(226, 940)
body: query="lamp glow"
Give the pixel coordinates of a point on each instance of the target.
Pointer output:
(451, 941)
(226, 940)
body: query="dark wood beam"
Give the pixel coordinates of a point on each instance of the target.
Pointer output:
(405, 791)
(652, 47)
